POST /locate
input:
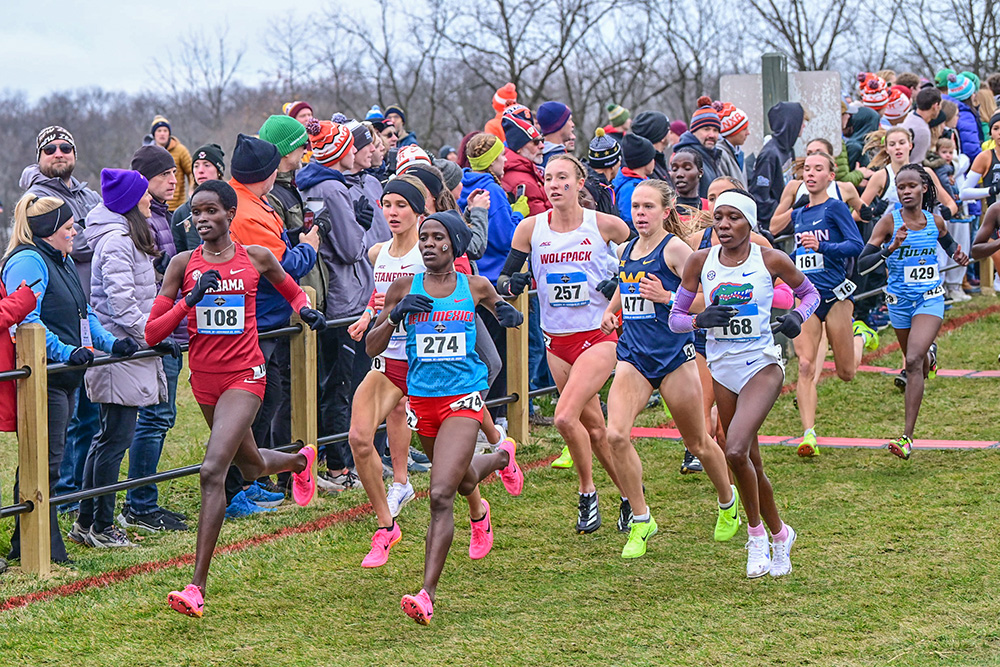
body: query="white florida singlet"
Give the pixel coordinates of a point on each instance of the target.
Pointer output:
(567, 267)
(388, 269)
(750, 289)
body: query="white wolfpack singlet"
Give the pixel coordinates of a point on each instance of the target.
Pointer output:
(567, 267)
(388, 269)
(750, 289)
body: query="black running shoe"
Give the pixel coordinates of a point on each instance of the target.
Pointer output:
(153, 522)
(269, 485)
(691, 464)
(588, 514)
(624, 517)
(900, 380)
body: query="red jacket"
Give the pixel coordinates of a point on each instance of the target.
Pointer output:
(13, 309)
(519, 170)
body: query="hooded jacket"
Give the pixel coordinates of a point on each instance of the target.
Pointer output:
(123, 287)
(623, 185)
(864, 121)
(519, 170)
(602, 192)
(709, 159)
(767, 180)
(286, 201)
(185, 172)
(344, 249)
(502, 221)
(80, 198)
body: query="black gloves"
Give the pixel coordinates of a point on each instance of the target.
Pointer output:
(790, 325)
(124, 347)
(608, 287)
(81, 356)
(995, 189)
(515, 284)
(169, 347)
(874, 210)
(411, 303)
(945, 213)
(507, 315)
(208, 280)
(364, 213)
(313, 318)
(714, 316)
(801, 201)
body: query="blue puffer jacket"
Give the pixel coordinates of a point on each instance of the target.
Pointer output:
(623, 186)
(502, 221)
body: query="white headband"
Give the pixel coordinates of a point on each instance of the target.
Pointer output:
(742, 203)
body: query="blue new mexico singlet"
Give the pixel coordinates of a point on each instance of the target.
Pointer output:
(441, 344)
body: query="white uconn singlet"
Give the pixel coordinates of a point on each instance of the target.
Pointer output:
(750, 289)
(567, 267)
(388, 269)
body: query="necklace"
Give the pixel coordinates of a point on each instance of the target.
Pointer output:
(439, 273)
(216, 254)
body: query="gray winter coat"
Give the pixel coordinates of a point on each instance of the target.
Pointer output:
(81, 200)
(728, 165)
(123, 287)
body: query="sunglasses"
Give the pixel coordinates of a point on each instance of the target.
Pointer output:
(391, 134)
(66, 149)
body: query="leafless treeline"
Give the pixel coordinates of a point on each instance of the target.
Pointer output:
(443, 59)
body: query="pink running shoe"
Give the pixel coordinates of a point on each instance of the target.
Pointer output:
(512, 476)
(189, 601)
(481, 539)
(383, 540)
(304, 483)
(418, 607)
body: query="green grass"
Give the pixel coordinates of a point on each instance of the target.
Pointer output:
(895, 562)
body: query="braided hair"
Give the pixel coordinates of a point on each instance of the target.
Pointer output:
(930, 196)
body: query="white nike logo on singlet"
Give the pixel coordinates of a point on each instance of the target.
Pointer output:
(232, 271)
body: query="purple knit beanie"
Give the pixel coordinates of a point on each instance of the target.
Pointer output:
(122, 189)
(552, 116)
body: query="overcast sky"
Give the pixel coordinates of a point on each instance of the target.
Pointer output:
(50, 45)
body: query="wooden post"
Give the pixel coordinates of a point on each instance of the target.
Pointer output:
(986, 275)
(774, 82)
(33, 449)
(517, 374)
(304, 400)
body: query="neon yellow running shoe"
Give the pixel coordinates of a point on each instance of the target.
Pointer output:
(728, 522)
(808, 446)
(638, 537)
(870, 335)
(901, 447)
(564, 460)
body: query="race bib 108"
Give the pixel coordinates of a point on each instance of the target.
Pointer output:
(221, 314)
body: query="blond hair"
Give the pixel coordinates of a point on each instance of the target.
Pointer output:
(28, 205)
(581, 171)
(876, 141)
(986, 102)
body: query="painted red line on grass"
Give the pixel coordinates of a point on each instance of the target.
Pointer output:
(118, 576)
(943, 372)
(673, 434)
(949, 325)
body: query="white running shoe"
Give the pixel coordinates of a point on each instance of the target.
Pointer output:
(398, 496)
(957, 295)
(781, 563)
(758, 556)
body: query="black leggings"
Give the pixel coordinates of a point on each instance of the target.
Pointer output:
(104, 460)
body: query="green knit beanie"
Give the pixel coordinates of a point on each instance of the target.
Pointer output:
(284, 132)
(617, 114)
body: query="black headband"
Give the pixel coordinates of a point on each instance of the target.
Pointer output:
(45, 225)
(407, 191)
(430, 181)
(458, 231)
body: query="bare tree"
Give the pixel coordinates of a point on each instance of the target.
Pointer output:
(808, 31)
(200, 73)
(954, 33)
(293, 63)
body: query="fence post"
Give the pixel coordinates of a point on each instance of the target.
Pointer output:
(304, 399)
(517, 374)
(33, 449)
(986, 275)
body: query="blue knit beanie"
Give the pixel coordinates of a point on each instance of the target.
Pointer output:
(552, 116)
(960, 87)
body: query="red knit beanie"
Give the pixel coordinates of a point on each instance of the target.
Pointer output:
(504, 97)
(330, 141)
(733, 120)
